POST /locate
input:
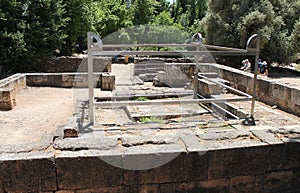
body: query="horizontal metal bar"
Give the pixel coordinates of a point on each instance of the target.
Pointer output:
(171, 53)
(171, 102)
(225, 86)
(173, 45)
(221, 48)
(147, 45)
(221, 108)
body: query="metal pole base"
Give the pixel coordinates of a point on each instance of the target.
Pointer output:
(249, 121)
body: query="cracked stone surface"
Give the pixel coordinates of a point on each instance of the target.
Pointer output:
(76, 144)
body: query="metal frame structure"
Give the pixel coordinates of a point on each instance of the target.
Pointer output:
(96, 48)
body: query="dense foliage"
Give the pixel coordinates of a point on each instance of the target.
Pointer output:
(232, 22)
(33, 30)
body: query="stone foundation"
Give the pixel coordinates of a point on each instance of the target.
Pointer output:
(16, 82)
(77, 64)
(284, 96)
(7, 99)
(8, 89)
(13, 84)
(70, 80)
(266, 168)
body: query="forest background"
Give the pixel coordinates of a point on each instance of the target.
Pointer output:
(33, 30)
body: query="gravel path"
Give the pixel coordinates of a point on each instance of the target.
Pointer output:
(38, 111)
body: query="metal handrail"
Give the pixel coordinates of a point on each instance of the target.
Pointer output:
(96, 49)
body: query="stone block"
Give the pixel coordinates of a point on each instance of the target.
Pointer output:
(197, 167)
(1, 180)
(291, 155)
(278, 91)
(107, 82)
(88, 170)
(161, 165)
(266, 136)
(254, 160)
(7, 99)
(71, 129)
(295, 182)
(242, 184)
(122, 189)
(33, 172)
(218, 185)
(207, 88)
(263, 89)
(104, 143)
(183, 187)
(68, 80)
(244, 161)
(280, 181)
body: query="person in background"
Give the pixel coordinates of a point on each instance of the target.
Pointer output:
(246, 65)
(263, 69)
(259, 63)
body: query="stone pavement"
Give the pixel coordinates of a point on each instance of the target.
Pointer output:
(197, 152)
(188, 127)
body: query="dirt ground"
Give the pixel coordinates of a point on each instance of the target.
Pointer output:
(38, 111)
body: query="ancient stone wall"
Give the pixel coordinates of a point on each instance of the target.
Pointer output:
(76, 64)
(8, 89)
(269, 91)
(7, 99)
(16, 82)
(70, 80)
(269, 168)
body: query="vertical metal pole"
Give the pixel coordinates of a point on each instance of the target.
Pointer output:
(196, 74)
(90, 79)
(255, 76)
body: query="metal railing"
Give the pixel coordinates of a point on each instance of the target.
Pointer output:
(96, 48)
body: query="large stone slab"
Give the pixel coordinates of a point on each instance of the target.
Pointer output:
(27, 172)
(89, 170)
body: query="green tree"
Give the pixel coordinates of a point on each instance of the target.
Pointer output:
(44, 33)
(80, 15)
(116, 15)
(13, 45)
(144, 11)
(185, 12)
(30, 31)
(231, 23)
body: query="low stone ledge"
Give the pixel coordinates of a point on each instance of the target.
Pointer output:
(284, 96)
(7, 99)
(69, 80)
(164, 164)
(76, 144)
(41, 145)
(17, 82)
(267, 168)
(71, 129)
(144, 140)
(88, 170)
(27, 172)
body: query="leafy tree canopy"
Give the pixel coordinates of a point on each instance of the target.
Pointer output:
(231, 23)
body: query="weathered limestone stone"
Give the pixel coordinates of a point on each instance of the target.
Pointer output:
(28, 172)
(71, 129)
(78, 170)
(85, 143)
(217, 185)
(107, 82)
(277, 181)
(7, 99)
(150, 165)
(149, 139)
(242, 184)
